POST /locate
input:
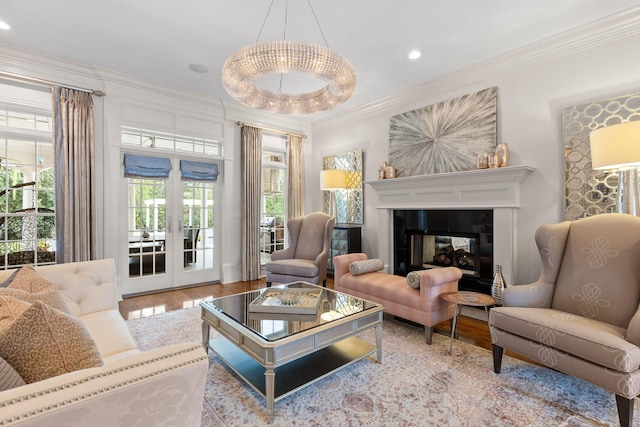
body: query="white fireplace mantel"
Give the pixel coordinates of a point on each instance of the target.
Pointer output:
(496, 189)
(475, 189)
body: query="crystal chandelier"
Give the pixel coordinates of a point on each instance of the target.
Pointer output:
(285, 57)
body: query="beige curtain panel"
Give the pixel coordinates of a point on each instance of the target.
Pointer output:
(251, 138)
(295, 177)
(75, 180)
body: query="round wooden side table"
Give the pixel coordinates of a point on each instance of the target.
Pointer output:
(460, 298)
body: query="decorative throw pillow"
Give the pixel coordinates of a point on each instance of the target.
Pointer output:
(10, 309)
(367, 266)
(9, 279)
(9, 378)
(44, 342)
(29, 286)
(413, 278)
(28, 279)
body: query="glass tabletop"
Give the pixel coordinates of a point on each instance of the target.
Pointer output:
(274, 320)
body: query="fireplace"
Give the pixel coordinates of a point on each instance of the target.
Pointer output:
(425, 239)
(495, 193)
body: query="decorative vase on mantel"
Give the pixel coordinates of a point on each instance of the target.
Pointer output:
(502, 154)
(498, 285)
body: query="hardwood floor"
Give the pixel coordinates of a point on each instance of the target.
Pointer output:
(161, 302)
(469, 329)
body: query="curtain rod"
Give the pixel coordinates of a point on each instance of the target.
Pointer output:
(284, 132)
(41, 82)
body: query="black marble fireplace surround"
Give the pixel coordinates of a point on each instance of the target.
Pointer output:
(435, 238)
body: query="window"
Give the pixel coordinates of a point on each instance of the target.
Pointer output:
(170, 221)
(164, 141)
(27, 188)
(272, 218)
(146, 218)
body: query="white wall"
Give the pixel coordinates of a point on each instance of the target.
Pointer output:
(534, 86)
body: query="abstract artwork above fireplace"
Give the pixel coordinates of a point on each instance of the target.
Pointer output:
(444, 137)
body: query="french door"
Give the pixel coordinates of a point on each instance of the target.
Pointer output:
(169, 226)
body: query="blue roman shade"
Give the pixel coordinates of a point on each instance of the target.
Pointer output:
(136, 166)
(198, 171)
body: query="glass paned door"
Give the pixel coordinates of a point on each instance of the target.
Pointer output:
(272, 215)
(197, 223)
(147, 221)
(170, 229)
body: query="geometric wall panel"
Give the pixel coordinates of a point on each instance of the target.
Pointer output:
(591, 192)
(350, 201)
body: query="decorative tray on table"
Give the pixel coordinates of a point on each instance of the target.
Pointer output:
(287, 300)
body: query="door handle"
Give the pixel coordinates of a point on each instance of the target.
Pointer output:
(169, 224)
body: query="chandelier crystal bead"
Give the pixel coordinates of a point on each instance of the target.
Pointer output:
(283, 57)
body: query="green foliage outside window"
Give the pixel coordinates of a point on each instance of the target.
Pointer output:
(27, 215)
(274, 205)
(148, 189)
(274, 201)
(12, 202)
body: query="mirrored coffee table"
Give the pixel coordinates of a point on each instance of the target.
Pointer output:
(278, 353)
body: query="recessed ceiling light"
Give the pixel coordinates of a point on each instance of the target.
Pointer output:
(415, 54)
(198, 68)
(4, 26)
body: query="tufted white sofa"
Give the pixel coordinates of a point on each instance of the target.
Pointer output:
(162, 387)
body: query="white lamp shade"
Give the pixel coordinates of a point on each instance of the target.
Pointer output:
(332, 179)
(616, 146)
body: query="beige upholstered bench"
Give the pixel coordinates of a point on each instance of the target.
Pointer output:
(422, 305)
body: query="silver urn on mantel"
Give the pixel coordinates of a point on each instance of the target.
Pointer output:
(498, 285)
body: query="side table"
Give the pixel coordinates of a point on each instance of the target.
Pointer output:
(474, 299)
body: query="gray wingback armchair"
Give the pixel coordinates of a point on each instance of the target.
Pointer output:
(308, 253)
(582, 316)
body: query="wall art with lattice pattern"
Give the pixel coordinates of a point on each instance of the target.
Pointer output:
(350, 201)
(589, 192)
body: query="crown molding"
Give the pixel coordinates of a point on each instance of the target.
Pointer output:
(65, 72)
(603, 31)
(588, 36)
(38, 66)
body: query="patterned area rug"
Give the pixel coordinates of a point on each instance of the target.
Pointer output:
(416, 385)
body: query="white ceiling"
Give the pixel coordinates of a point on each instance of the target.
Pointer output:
(156, 40)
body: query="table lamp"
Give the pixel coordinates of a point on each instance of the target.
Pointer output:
(618, 147)
(332, 180)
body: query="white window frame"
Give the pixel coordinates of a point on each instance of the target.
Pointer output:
(37, 129)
